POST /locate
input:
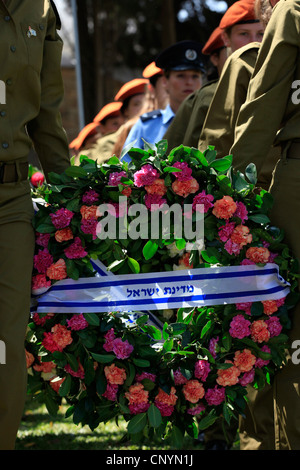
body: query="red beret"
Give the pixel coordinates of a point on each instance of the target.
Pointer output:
(151, 70)
(89, 130)
(134, 87)
(241, 11)
(214, 42)
(109, 110)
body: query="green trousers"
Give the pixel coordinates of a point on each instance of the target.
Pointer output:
(273, 415)
(16, 258)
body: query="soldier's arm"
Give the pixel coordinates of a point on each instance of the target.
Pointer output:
(269, 90)
(46, 131)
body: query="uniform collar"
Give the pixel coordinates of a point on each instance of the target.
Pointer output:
(167, 114)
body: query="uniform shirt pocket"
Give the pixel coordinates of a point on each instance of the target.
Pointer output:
(34, 36)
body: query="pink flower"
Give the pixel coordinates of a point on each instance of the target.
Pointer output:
(77, 322)
(215, 396)
(41, 319)
(239, 327)
(196, 410)
(245, 306)
(186, 172)
(179, 378)
(75, 250)
(263, 362)
(280, 302)
(146, 175)
(42, 261)
(165, 410)
(116, 209)
(111, 392)
(241, 212)
(247, 378)
(274, 326)
(49, 343)
(115, 178)
(136, 408)
(232, 248)
(213, 345)
(122, 349)
(42, 239)
(202, 369)
(79, 373)
(89, 227)
(61, 218)
(109, 339)
(90, 197)
(226, 230)
(154, 200)
(203, 199)
(145, 375)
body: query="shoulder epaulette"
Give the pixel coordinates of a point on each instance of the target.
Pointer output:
(58, 21)
(150, 115)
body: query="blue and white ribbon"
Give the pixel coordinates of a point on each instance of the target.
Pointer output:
(217, 285)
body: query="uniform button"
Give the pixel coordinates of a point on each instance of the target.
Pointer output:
(9, 81)
(13, 48)
(2, 113)
(5, 145)
(7, 18)
(41, 26)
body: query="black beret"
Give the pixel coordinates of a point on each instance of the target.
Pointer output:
(184, 55)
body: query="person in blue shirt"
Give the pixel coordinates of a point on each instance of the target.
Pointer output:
(183, 65)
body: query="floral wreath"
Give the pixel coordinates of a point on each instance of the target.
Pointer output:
(179, 378)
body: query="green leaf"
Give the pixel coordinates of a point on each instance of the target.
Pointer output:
(137, 423)
(141, 362)
(104, 358)
(177, 437)
(251, 173)
(222, 164)
(259, 218)
(92, 319)
(134, 265)
(150, 249)
(65, 387)
(76, 172)
(207, 420)
(154, 416)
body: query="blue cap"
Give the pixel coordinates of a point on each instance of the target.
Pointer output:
(184, 55)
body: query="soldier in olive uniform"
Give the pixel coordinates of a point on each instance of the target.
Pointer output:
(271, 114)
(30, 56)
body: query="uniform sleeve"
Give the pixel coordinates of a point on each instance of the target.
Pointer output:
(231, 92)
(262, 115)
(135, 138)
(177, 129)
(46, 131)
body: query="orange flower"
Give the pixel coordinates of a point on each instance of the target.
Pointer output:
(184, 188)
(157, 187)
(137, 394)
(61, 335)
(88, 212)
(115, 375)
(185, 260)
(29, 358)
(258, 254)
(224, 208)
(228, 376)
(168, 399)
(241, 235)
(44, 367)
(57, 271)
(270, 306)
(193, 391)
(244, 360)
(64, 235)
(259, 331)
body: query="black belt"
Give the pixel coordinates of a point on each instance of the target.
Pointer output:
(13, 172)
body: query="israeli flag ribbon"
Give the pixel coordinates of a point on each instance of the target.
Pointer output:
(219, 285)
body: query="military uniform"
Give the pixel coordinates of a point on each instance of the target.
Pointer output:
(103, 148)
(30, 54)
(230, 94)
(271, 114)
(187, 124)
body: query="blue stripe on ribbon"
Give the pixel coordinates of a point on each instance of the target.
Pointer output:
(193, 298)
(192, 277)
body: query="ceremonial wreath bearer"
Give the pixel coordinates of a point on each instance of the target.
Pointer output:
(30, 57)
